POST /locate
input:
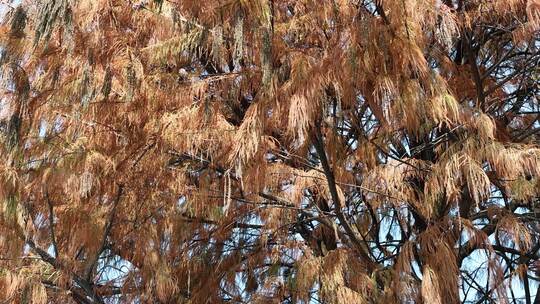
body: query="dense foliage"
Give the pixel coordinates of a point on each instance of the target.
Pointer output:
(270, 151)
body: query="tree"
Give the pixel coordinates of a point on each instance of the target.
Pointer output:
(265, 151)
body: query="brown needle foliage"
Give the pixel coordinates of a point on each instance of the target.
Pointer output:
(269, 151)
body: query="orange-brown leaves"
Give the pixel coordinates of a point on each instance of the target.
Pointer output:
(430, 286)
(533, 13)
(163, 151)
(331, 272)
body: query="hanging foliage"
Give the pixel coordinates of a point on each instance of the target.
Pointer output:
(269, 151)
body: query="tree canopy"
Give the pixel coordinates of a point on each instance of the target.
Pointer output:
(270, 151)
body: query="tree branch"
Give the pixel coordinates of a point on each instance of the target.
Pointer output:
(106, 232)
(51, 225)
(319, 147)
